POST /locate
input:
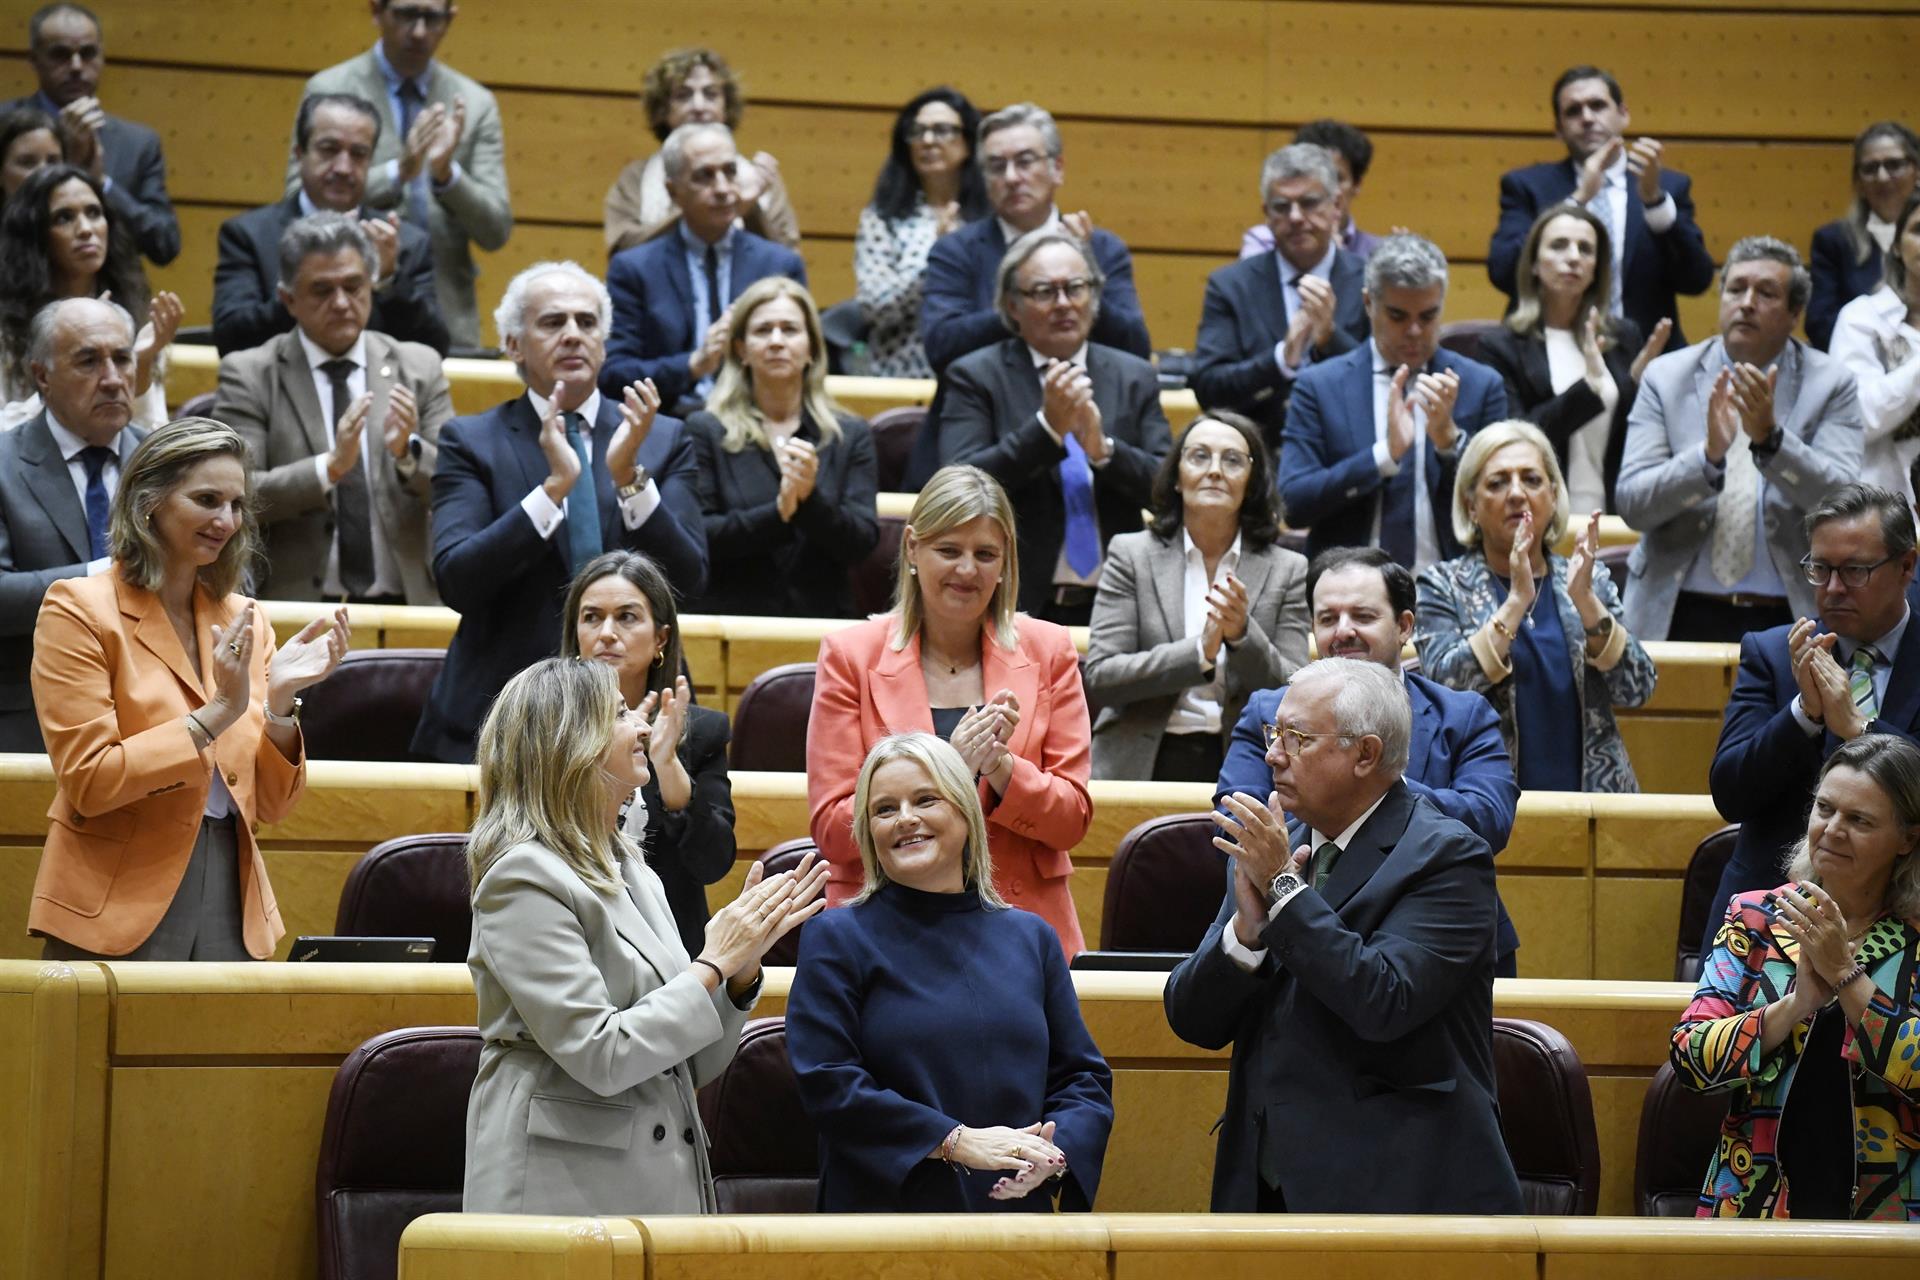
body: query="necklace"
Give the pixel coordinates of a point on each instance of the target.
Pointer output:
(929, 657)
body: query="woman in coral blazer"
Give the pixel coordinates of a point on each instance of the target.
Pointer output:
(954, 659)
(148, 678)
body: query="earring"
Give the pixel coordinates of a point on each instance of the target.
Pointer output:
(913, 571)
(659, 657)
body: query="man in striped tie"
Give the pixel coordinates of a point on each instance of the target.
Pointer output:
(1805, 688)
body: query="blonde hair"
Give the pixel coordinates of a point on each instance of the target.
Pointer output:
(956, 786)
(732, 400)
(1482, 445)
(954, 496)
(158, 466)
(540, 754)
(1891, 763)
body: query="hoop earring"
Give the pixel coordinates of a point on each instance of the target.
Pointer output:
(659, 657)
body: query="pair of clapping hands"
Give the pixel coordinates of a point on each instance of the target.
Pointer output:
(1824, 692)
(638, 405)
(1028, 1152)
(982, 735)
(1254, 835)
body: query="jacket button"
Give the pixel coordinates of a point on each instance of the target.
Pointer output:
(659, 1133)
(233, 778)
(688, 1135)
(79, 819)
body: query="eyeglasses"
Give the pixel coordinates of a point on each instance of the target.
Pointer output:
(1025, 162)
(1819, 572)
(1074, 290)
(1292, 741)
(407, 15)
(1307, 205)
(1200, 458)
(932, 132)
(1874, 168)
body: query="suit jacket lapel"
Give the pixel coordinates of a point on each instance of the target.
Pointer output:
(1023, 379)
(1012, 669)
(643, 929)
(296, 384)
(1359, 391)
(1637, 233)
(1369, 847)
(682, 281)
(1426, 723)
(900, 691)
(608, 500)
(1274, 295)
(47, 477)
(1901, 707)
(1167, 580)
(152, 629)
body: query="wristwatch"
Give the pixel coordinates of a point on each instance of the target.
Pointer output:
(266, 709)
(628, 492)
(1604, 627)
(1283, 884)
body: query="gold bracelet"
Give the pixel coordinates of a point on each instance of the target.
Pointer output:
(1501, 628)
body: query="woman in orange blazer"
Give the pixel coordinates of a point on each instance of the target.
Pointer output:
(954, 659)
(148, 679)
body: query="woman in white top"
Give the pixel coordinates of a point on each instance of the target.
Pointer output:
(1564, 359)
(1877, 338)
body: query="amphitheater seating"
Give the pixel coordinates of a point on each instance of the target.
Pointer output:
(369, 707)
(412, 887)
(765, 1156)
(1679, 1130)
(1699, 894)
(1164, 886)
(770, 721)
(1546, 1117)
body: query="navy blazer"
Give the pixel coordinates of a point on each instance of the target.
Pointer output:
(509, 584)
(1328, 479)
(1838, 279)
(1457, 759)
(137, 195)
(1244, 316)
(1657, 267)
(1527, 374)
(247, 310)
(655, 331)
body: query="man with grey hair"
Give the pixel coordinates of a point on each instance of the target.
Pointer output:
(614, 475)
(1373, 436)
(672, 295)
(1357, 916)
(58, 472)
(1266, 318)
(342, 422)
(1730, 443)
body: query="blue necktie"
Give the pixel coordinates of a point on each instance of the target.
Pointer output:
(1083, 526)
(583, 504)
(413, 97)
(95, 458)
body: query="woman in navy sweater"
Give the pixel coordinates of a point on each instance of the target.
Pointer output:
(935, 1030)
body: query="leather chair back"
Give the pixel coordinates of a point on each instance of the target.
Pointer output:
(870, 582)
(393, 1146)
(1462, 337)
(411, 887)
(770, 721)
(368, 708)
(766, 1158)
(199, 406)
(894, 431)
(1698, 905)
(1546, 1118)
(1164, 887)
(1679, 1130)
(785, 856)
(1614, 559)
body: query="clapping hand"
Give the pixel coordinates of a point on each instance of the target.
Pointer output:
(232, 672)
(308, 658)
(1843, 718)
(1226, 622)
(639, 403)
(81, 123)
(1750, 392)
(1802, 639)
(1593, 172)
(384, 234)
(1723, 418)
(1586, 553)
(164, 314)
(345, 454)
(1590, 349)
(1312, 322)
(1655, 344)
(1078, 225)
(1437, 393)
(1814, 920)
(1643, 162)
(799, 468)
(768, 908)
(1068, 406)
(713, 347)
(402, 418)
(1520, 564)
(563, 464)
(1399, 415)
(445, 140)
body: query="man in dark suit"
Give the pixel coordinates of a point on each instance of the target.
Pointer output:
(1805, 688)
(1072, 429)
(334, 137)
(1362, 605)
(527, 493)
(1661, 251)
(1351, 969)
(1373, 436)
(64, 46)
(1266, 318)
(671, 294)
(58, 471)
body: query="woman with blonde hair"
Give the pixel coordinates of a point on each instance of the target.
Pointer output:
(933, 1031)
(598, 1027)
(1539, 635)
(171, 719)
(786, 477)
(953, 658)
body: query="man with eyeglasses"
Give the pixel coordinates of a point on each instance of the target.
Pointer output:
(333, 136)
(1851, 667)
(1266, 318)
(1351, 968)
(1729, 443)
(1071, 428)
(440, 159)
(65, 48)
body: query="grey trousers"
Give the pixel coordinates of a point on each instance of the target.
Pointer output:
(204, 921)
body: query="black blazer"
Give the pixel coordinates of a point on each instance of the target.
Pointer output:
(138, 194)
(1522, 365)
(694, 848)
(760, 564)
(1837, 278)
(1244, 316)
(506, 582)
(1366, 1033)
(992, 405)
(246, 307)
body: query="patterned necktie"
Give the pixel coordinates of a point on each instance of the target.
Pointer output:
(583, 504)
(1731, 555)
(1323, 859)
(1860, 681)
(1601, 206)
(352, 500)
(1083, 526)
(95, 458)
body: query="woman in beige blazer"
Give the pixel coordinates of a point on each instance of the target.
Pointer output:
(598, 1027)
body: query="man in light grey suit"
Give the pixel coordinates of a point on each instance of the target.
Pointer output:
(343, 425)
(1730, 443)
(58, 472)
(440, 159)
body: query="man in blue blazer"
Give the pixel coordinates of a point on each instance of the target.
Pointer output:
(1267, 318)
(527, 493)
(1780, 726)
(671, 294)
(1362, 605)
(1661, 252)
(1373, 436)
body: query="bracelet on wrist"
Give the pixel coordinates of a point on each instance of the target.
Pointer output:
(717, 972)
(952, 1141)
(1848, 978)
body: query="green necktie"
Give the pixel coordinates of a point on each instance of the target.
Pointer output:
(1323, 859)
(1860, 681)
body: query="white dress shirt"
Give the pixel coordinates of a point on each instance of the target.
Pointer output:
(1249, 958)
(546, 514)
(70, 446)
(1197, 709)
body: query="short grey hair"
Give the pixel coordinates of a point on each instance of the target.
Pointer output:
(1769, 249)
(673, 152)
(323, 232)
(46, 320)
(1405, 261)
(1372, 699)
(1024, 248)
(510, 317)
(1016, 115)
(1300, 160)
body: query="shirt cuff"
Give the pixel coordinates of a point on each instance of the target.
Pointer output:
(1290, 371)
(1040, 416)
(545, 513)
(635, 510)
(393, 170)
(1200, 647)
(101, 565)
(1383, 459)
(326, 475)
(1715, 472)
(453, 176)
(1807, 724)
(1662, 216)
(1242, 955)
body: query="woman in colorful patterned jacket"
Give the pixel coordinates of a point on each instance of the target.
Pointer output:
(1811, 991)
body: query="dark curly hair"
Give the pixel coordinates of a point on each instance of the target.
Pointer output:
(668, 74)
(1259, 520)
(898, 185)
(26, 270)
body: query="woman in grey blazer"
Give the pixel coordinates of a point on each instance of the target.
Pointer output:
(1196, 612)
(597, 1027)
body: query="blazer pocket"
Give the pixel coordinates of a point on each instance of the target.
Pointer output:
(592, 1124)
(96, 851)
(1052, 864)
